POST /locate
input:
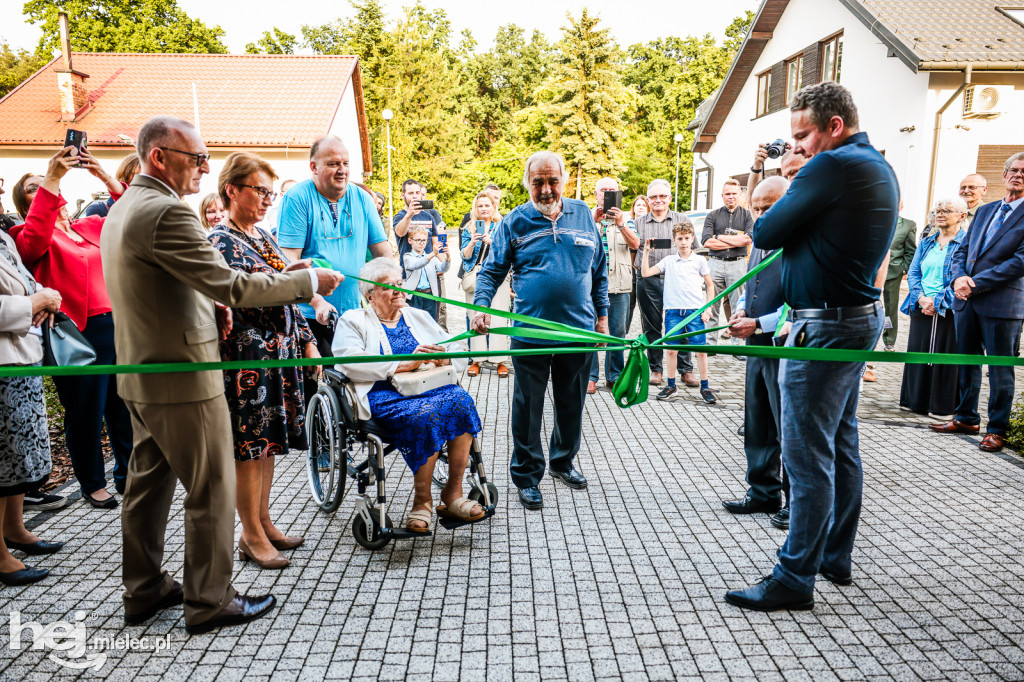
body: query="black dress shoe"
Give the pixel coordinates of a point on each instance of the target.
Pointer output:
(24, 576)
(531, 497)
(770, 595)
(173, 598)
(34, 548)
(571, 478)
(840, 580)
(239, 610)
(109, 503)
(751, 506)
(781, 520)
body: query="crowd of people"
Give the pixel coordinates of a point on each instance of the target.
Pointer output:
(147, 279)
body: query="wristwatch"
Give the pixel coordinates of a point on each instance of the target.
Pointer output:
(757, 327)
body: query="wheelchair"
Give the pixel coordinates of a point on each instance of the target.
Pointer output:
(342, 447)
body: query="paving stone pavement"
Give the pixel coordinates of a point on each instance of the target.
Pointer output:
(623, 580)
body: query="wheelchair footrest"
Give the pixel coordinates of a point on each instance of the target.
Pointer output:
(403, 534)
(452, 524)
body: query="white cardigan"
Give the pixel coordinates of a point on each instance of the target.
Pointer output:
(358, 333)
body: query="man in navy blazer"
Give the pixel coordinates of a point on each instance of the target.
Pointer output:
(988, 280)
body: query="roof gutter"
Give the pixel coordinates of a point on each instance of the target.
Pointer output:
(937, 135)
(974, 66)
(898, 48)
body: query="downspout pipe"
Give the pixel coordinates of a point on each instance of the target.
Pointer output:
(938, 135)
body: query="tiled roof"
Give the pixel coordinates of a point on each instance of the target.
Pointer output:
(244, 100)
(944, 30)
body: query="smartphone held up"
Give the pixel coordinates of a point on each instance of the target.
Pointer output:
(77, 139)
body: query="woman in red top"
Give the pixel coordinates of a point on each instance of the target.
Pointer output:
(64, 254)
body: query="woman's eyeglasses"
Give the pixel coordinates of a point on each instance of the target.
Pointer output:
(262, 191)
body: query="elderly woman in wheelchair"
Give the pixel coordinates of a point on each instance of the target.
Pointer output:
(418, 424)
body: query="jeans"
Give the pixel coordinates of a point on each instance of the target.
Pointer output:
(649, 294)
(89, 401)
(995, 336)
(820, 449)
(568, 374)
(424, 304)
(614, 361)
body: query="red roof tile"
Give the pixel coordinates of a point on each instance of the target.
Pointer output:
(262, 100)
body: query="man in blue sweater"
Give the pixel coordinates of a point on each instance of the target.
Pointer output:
(835, 225)
(559, 273)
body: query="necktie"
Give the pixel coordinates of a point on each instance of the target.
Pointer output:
(995, 226)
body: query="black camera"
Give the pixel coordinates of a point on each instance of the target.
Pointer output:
(775, 149)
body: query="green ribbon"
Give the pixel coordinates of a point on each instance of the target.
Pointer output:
(630, 389)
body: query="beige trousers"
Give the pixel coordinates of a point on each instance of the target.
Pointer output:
(502, 301)
(191, 443)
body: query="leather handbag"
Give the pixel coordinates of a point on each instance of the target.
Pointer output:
(468, 281)
(422, 380)
(64, 345)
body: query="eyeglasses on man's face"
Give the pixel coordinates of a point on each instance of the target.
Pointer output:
(262, 191)
(200, 159)
(972, 188)
(658, 197)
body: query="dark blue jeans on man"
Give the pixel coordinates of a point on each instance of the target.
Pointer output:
(820, 449)
(568, 374)
(976, 334)
(614, 360)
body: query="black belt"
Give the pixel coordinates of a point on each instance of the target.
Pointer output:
(727, 257)
(836, 313)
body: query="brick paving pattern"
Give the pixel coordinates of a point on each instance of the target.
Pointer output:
(620, 581)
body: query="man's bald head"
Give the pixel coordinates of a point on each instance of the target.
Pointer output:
(766, 194)
(172, 151)
(791, 164)
(162, 131)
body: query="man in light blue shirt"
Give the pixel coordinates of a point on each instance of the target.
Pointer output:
(324, 218)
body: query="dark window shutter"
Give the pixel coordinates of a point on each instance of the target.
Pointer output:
(812, 65)
(777, 99)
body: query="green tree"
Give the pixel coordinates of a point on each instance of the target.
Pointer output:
(16, 66)
(275, 42)
(124, 26)
(585, 102)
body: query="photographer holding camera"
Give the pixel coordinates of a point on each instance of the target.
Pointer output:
(771, 150)
(416, 214)
(726, 236)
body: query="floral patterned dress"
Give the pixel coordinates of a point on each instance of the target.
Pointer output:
(268, 414)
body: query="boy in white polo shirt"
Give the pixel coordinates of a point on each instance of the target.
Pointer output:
(688, 286)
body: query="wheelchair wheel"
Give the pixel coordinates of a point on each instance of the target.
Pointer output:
(441, 468)
(326, 465)
(370, 538)
(477, 496)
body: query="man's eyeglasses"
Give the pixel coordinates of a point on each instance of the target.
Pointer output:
(946, 211)
(199, 158)
(658, 197)
(262, 191)
(972, 188)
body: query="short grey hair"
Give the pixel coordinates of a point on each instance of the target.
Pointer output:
(375, 271)
(1019, 156)
(159, 131)
(825, 100)
(327, 140)
(955, 203)
(538, 157)
(658, 181)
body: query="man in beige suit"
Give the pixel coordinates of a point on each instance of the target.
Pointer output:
(163, 277)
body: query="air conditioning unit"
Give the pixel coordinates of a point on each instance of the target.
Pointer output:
(987, 101)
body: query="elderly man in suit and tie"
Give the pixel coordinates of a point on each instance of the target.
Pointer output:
(988, 281)
(163, 276)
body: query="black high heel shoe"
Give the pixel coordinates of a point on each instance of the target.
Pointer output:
(25, 576)
(34, 548)
(109, 503)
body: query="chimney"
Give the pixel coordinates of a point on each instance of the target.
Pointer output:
(70, 83)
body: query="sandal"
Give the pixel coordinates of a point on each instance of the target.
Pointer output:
(502, 370)
(474, 369)
(459, 510)
(421, 515)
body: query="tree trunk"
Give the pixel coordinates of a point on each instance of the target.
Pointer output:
(579, 180)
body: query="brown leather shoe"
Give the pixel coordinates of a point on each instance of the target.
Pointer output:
(591, 388)
(954, 426)
(288, 542)
(473, 369)
(502, 370)
(691, 380)
(655, 379)
(992, 442)
(275, 563)
(239, 610)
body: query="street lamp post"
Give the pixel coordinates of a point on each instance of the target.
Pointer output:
(679, 141)
(388, 115)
